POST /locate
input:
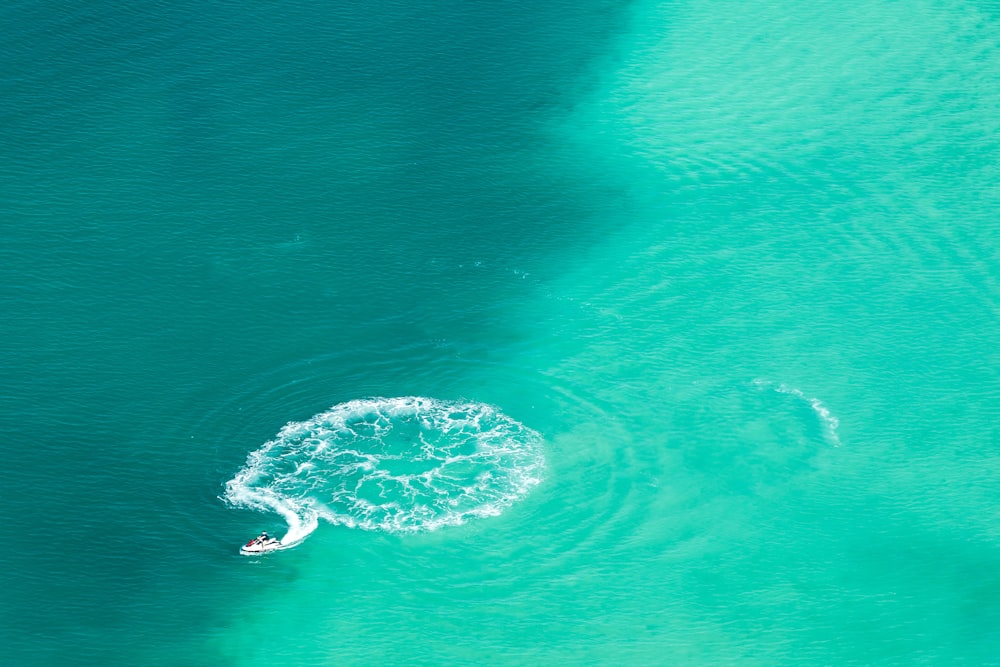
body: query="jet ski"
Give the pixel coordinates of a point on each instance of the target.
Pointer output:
(259, 545)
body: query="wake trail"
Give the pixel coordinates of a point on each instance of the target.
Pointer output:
(827, 419)
(390, 464)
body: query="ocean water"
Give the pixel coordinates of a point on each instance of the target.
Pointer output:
(645, 333)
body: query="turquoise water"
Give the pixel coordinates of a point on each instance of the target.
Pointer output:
(590, 333)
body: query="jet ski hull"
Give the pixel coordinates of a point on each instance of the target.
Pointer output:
(255, 548)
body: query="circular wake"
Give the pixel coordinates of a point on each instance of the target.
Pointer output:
(391, 464)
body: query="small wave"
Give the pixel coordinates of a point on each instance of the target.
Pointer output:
(390, 464)
(827, 419)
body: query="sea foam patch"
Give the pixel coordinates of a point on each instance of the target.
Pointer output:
(829, 422)
(391, 464)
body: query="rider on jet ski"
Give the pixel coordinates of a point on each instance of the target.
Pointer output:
(263, 538)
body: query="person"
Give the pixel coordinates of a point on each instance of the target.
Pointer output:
(263, 537)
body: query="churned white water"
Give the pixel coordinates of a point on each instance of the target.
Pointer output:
(391, 464)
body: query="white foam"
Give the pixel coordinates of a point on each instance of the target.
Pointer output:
(391, 464)
(827, 419)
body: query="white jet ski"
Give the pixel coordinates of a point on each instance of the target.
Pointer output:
(259, 545)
